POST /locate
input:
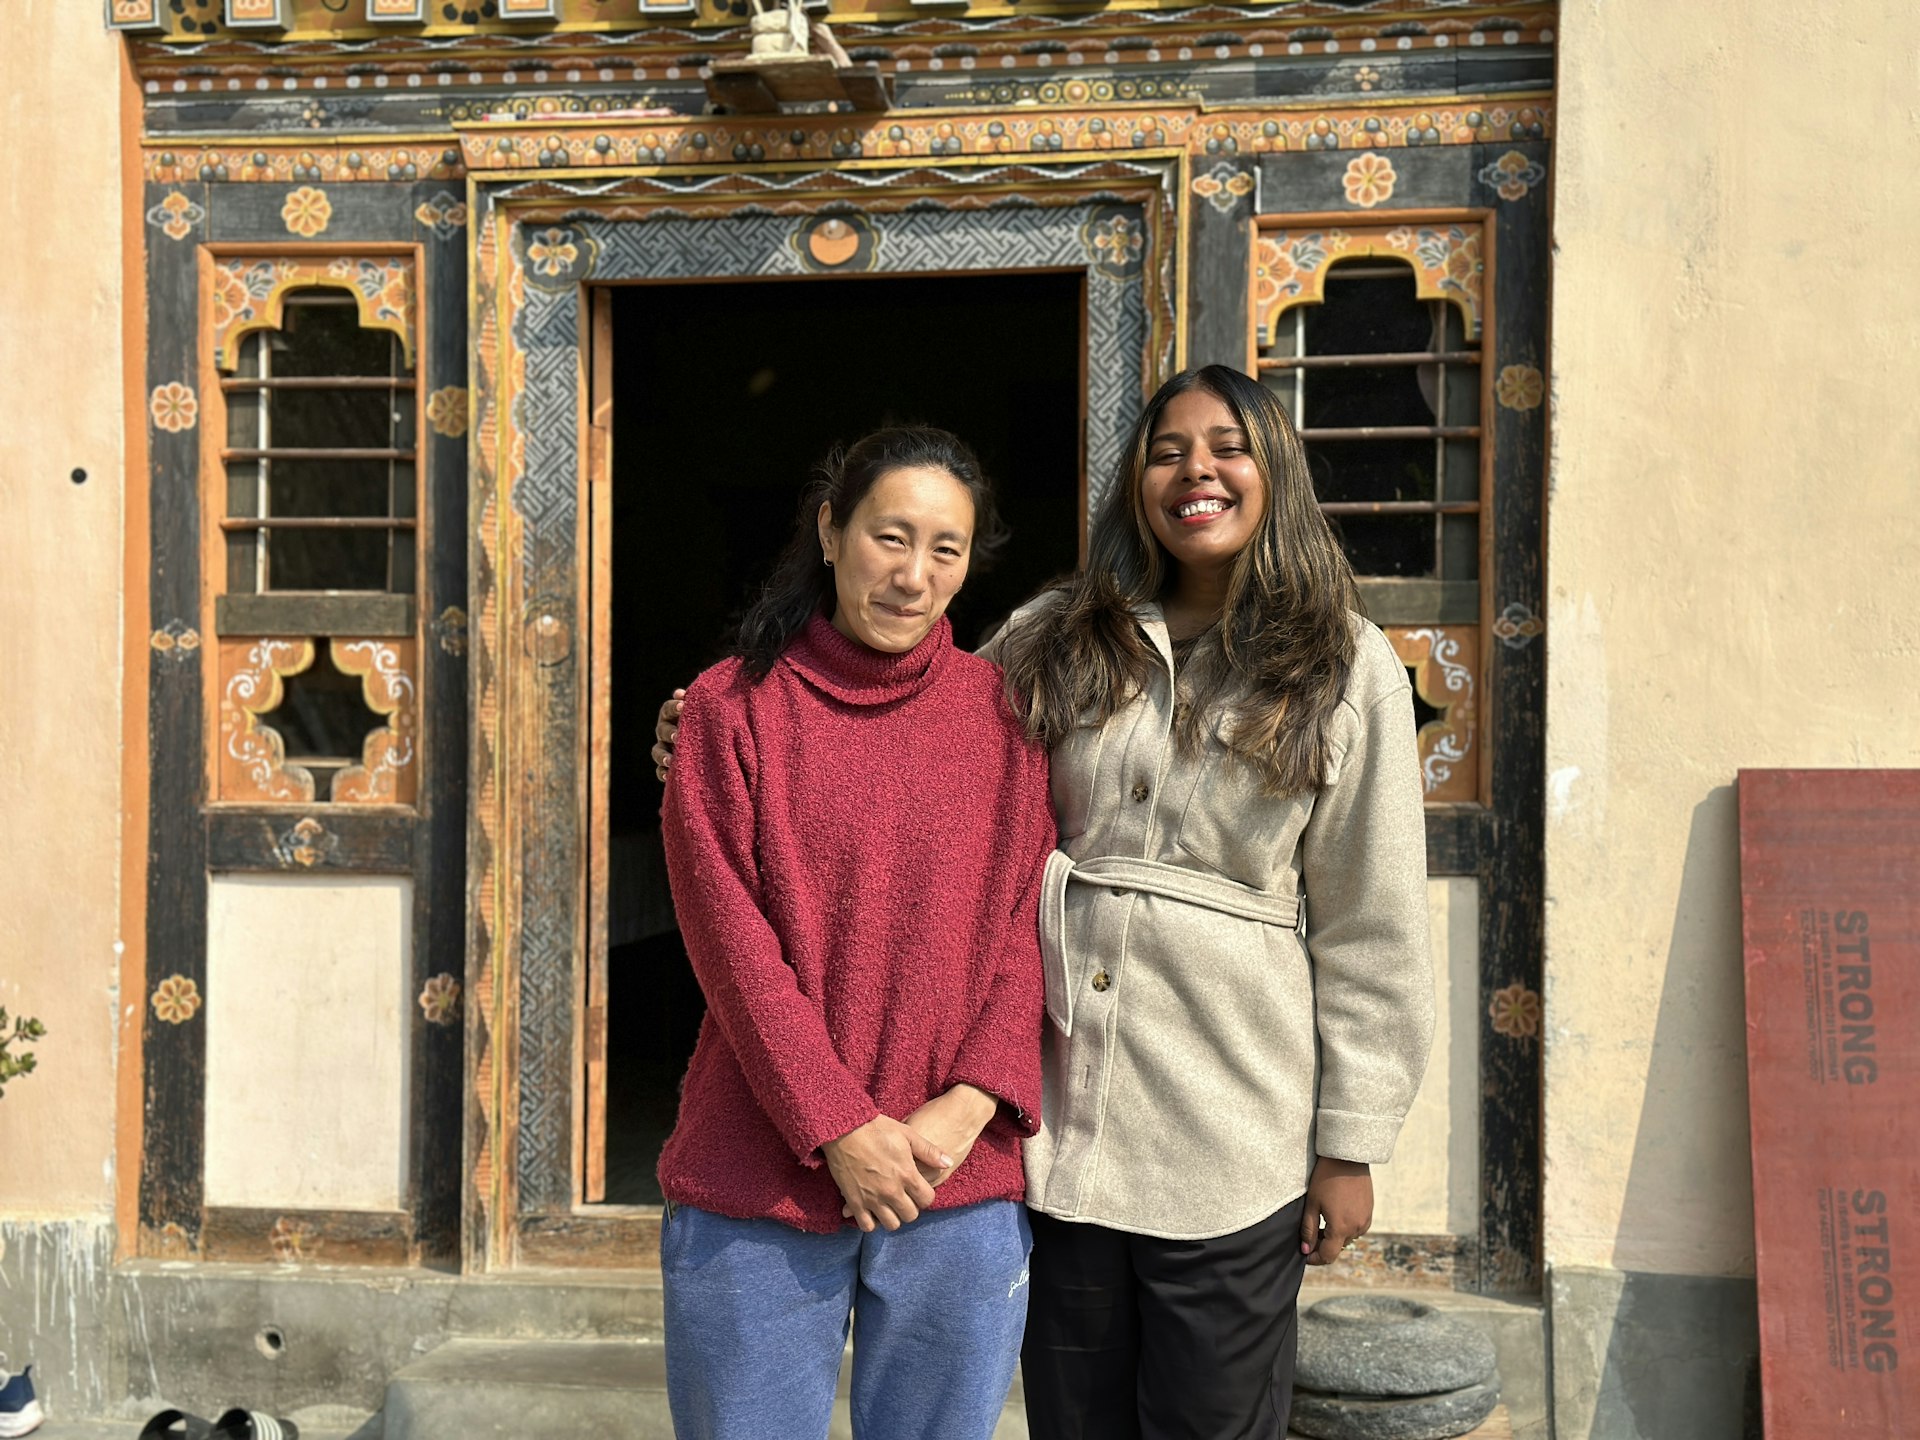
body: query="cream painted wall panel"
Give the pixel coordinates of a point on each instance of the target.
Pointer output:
(307, 1014)
(1733, 531)
(1433, 1185)
(60, 349)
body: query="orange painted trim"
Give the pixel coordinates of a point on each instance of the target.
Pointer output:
(137, 625)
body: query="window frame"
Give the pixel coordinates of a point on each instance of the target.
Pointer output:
(1418, 640)
(239, 624)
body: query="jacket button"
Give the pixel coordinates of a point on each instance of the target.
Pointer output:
(1140, 790)
(1100, 980)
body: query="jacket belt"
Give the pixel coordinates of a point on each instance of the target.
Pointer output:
(1148, 877)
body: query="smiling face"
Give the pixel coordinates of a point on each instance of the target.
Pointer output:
(1201, 488)
(901, 557)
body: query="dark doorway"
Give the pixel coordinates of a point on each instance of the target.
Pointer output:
(725, 395)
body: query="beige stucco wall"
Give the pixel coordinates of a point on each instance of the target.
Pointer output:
(60, 589)
(1734, 550)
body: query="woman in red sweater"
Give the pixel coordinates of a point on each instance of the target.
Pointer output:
(855, 851)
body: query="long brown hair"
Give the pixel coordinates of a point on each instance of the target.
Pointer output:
(1284, 646)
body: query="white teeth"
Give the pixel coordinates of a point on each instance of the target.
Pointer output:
(1200, 507)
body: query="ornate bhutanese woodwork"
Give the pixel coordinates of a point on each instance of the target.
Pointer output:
(1203, 167)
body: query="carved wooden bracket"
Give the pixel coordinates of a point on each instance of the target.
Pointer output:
(248, 293)
(388, 772)
(1290, 266)
(253, 758)
(1445, 660)
(252, 764)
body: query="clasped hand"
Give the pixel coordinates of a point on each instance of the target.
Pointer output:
(887, 1170)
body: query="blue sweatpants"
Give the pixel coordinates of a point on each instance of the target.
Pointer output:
(757, 1318)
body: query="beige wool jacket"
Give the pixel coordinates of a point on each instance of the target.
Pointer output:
(1236, 982)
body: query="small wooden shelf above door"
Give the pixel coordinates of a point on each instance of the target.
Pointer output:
(753, 87)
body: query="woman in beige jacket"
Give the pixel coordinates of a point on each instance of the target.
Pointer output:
(1234, 927)
(1239, 991)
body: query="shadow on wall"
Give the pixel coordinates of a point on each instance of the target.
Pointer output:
(1645, 1354)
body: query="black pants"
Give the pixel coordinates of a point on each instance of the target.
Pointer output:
(1133, 1338)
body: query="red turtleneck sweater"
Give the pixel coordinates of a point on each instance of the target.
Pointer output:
(855, 845)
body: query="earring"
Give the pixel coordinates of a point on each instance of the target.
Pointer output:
(829, 562)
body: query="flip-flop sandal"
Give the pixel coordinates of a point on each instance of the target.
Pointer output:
(239, 1424)
(176, 1425)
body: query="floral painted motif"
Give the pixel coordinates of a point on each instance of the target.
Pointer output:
(1516, 625)
(292, 1240)
(174, 407)
(440, 1000)
(1290, 267)
(1513, 175)
(229, 298)
(1366, 77)
(451, 629)
(176, 216)
(248, 294)
(445, 214)
(1116, 239)
(1285, 264)
(1515, 1012)
(307, 211)
(305, 845)
(447, 411)
(1369, 181)
(1520, 387)
(1221, 186)
(1453, 256)
(175, 640)
(176, 1000)
(552, 252)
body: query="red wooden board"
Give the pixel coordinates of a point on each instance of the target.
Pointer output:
(1830, 901)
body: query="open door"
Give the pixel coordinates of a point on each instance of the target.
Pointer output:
(599, 522)
(705, 407)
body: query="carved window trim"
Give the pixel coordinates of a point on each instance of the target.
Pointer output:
(252, 765)
(1450, 253)
(374, 635)
(1445, 665)
(247, 291)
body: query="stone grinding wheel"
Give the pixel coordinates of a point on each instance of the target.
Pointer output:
(1378, 1367)
(1409, 1417)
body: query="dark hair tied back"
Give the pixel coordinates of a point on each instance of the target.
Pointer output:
(801, 585)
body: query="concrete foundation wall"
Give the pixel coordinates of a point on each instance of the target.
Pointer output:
(1733, 521)
(60, 592)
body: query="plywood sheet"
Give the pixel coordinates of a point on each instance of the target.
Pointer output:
(1830, 900)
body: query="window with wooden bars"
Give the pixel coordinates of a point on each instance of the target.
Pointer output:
(1371, 338)
(317, 528)
(320, 457)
